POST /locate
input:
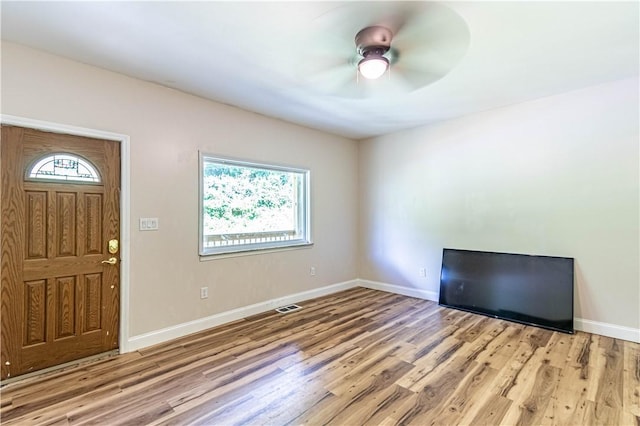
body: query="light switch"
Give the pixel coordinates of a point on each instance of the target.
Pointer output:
(149, 223)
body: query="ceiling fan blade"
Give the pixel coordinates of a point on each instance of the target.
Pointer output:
(344, 83)
(322, 63)
(430, 46)
(446, 36)
(331, 80)
(413, 79)
(422, 67)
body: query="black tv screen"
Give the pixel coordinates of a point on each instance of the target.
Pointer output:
(534, 290)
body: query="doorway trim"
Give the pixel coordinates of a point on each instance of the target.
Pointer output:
(125, 207)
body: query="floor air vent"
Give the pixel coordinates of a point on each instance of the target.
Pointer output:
(288, 308)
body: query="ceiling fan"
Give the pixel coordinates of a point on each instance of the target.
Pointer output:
(382, 49)
(372, 44)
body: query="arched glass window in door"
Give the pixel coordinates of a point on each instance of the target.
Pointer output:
(63, 167)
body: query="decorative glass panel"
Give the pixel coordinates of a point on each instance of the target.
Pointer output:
(67, 167)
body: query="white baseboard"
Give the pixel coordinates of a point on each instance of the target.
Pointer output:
(180, 330)
(158, 336)
(397, 289)
(580, 324)
(607, 329)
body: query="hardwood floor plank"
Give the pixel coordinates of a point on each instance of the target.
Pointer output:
(478, 403)
(531, 411)
(43, 385)
(382, 367)
(276, 403)
(631, 392)
(435, 391)
(568, 403)
(361, 395)
(129, 400)
(610, 386)
(500, 350)
(557, 350)
(598, 413)
(388, 403)
(524, 380)
(324, 366)
(357, 357)
(464, 397)
(474, 330)
(629, 419)
(198, 405)
(52, 413)
(493, 411)
(396, 330)
(426, 364)
(509, 375)
(431, 324)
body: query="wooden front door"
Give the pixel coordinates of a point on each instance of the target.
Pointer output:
(60, 209)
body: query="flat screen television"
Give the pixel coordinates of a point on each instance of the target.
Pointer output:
(533, 290)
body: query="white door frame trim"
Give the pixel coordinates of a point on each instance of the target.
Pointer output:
(125, 226)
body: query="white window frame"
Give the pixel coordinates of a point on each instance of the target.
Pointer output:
(242, 243)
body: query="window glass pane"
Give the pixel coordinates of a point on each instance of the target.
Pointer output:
(64, 167)
(248, 206)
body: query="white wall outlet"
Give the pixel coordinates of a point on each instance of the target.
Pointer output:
(204, 292)
(423, 272)
(312, 271)
(149, 223)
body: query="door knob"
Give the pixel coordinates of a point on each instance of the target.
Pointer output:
(111, 261)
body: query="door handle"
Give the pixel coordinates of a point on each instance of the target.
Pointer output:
(111, 261)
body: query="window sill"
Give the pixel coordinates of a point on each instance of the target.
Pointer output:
(253, 252)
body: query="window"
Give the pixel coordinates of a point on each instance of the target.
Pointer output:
(62, 166)
(248, 206)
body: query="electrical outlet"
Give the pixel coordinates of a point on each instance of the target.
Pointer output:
(312, 271)
(204, 292)
(423, 272)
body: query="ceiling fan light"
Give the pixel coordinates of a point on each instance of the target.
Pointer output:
(373, 67)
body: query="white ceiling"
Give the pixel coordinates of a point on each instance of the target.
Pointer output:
(250, 54)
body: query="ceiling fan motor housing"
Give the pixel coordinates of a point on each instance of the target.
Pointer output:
(375, 39)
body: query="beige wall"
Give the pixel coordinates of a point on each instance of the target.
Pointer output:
(166, 130)
(556, 176)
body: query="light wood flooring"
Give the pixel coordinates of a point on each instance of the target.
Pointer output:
(356, 357)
